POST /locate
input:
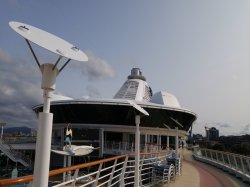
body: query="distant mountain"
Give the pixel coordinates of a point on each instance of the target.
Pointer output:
(13, 130)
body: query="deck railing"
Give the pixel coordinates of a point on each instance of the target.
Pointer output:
(114, 171)
(14, 155)
(127, 147)
(233, 163)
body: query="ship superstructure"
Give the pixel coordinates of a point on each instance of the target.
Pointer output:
(109, 123)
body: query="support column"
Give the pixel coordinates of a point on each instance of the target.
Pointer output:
(101, 140)
(137, 151)
(167, 142)
(43, 146)
(146, 143)
(159, 145)
(176, 142)
(69, 164)
(64, 165)
(44, 129)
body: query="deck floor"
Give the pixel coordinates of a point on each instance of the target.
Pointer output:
(197, 174)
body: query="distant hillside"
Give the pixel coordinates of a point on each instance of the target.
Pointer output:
(13, 130)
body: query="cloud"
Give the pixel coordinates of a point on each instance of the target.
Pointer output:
(20, 91)
(20, 88)
(96, 68)
(93, 92)
(223, 125)
(4, 57)
(246, 129)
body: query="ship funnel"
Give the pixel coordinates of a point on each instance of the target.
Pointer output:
(136, 74)
(135, 88)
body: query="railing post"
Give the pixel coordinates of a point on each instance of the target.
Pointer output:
(236, 165)
(206, 153)
(229, 162)
(223, 160)
(112, 172)
(122, 183)
(75, 177)
(242, 165)
(247, 160)
(98, 175)
(211, 154)
(216, 153)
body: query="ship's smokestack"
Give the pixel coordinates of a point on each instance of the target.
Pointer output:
(135, 88)
(136, 74)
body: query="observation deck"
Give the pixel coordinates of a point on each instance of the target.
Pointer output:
(189, 172)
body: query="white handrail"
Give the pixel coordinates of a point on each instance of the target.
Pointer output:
(119, 171)
(233, 163)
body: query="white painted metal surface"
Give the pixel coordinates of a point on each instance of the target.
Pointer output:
(74, 150)
(165, 98)
(42, 158)
(137, 107)
(48, 41)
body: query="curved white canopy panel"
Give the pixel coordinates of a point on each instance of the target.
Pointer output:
(49, 41)
(137, 107)
(75, 150)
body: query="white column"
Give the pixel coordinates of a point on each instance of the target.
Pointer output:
(101, 140)
(167, 142)
(2, 134)
(146, 143)
(157, 142)
(69, 164)
(176, 142)
(2, 125)
(159, 145)
(43, 145)
(64, 165)
(44, 130)
(137, 150)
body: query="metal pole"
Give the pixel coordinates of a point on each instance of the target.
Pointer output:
(101, 142)
(167, 142)
(176, 142)
(146, 143)
(69, 164)
(2, 134)
(64, 165)
(44, 130)
(2, 124)
(137, 150)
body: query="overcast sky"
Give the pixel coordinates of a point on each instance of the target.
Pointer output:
(196, 50)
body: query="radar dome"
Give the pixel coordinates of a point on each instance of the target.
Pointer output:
(165, 98)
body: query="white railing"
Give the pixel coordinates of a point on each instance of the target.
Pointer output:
(233, 163)
(128, 147)
(114, 171)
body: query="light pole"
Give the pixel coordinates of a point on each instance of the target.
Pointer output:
(49, 73)
(138, 112)
(137, 150)
(2, 125)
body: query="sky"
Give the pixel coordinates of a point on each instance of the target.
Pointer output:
(196, 50)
